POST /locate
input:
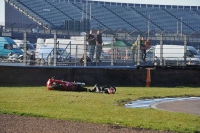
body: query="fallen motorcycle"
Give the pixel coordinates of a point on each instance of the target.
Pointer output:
(54, 84)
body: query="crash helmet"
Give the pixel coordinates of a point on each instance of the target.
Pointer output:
(112, 90)
(52, 78)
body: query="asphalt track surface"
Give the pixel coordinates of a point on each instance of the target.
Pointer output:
(22, 124)
(189, 105)
(184, 106)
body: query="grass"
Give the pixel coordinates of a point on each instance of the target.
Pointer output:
(100, 108)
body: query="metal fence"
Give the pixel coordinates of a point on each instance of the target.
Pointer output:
(119, 49)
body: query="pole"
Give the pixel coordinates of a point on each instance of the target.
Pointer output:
(148, 77)
(25, 49)
(76, 54)
(85, 52)
(82, 11)
(55, 50)
(112, 51)
(181, 26)
(148, 25)
(90, 12)
(185, 49)
(86, 15)
(161, 50)
(82, 17)
(138, 51)
(177, 28)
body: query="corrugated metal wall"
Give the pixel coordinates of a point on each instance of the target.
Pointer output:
(13, 16)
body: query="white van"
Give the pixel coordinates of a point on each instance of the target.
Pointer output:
(173, 55)
(30, 47)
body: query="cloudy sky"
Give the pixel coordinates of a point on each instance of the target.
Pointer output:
(161, 2)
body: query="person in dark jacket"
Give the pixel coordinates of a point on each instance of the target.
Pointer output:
(87, 58)
(143, 48)
(99, 44)
(32, 58)
(92, 43)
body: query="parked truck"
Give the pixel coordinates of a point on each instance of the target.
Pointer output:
(173, 55)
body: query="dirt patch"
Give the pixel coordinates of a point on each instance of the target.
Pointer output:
(22, 124)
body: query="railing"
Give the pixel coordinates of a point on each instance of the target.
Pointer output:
(117, 51)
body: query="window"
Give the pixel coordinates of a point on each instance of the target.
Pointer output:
(150, 53)
(143, 5)
(149, 5)
(194, 7)
(112, 3)
(14, 46)
(174, 7)
(131, 5)
(168, 7)
(124, 4)
(107, 3)
(156, 6)
(7, 46)
(180, 7)
(162, 6)
(189, 53)
(96, 2)
(30, 46)
(187, 7)
(193, 51)
(137, 5)
(102, 3)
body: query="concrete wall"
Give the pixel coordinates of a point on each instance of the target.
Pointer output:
(38, 76)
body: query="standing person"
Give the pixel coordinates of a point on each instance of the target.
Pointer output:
(134, 50)
(99, 46)
(87, 58)
(147, 43)
(92, 43)
(32, 58)
(143, 48)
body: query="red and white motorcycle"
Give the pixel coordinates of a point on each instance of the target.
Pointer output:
(54, 84)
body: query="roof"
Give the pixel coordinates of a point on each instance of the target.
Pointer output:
(158, 2)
